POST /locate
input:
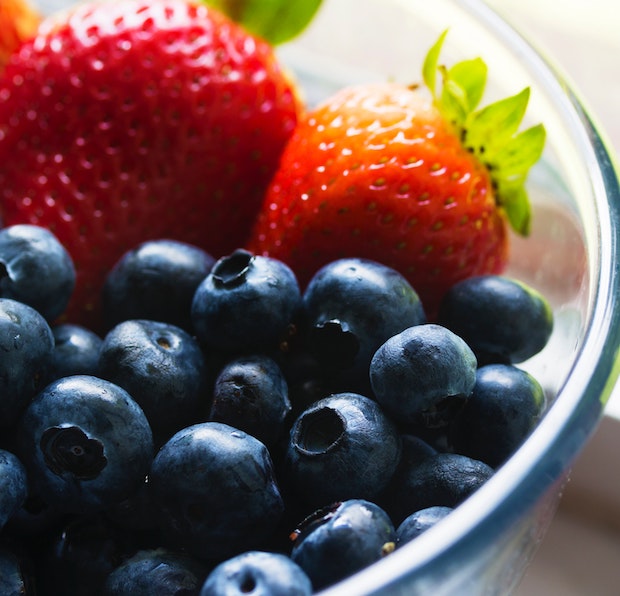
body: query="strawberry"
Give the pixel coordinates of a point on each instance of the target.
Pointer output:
(421, 181)
(132, 120)
(18, 21)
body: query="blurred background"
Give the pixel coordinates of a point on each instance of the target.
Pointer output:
(580, 556)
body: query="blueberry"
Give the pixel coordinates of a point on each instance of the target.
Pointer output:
(15, 579)
(444, 479)
(413, 451)
(251, 394)
(258, 573)
(247, 303)
(351, 307)
(13, 485)
(215, 490)
(156, 571)
(418, 522)
(35, 269)
(340, 539)
(505, 406)
(76, 351)
(35, 518)
(157, 281)
(423, 375)
(162, 367)
(79, 557)
(137, 514)
(85, 443)
(342, 447)
(503, 320)
(26, 344)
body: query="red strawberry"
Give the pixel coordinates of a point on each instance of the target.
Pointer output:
(139, 119)
(421, 182)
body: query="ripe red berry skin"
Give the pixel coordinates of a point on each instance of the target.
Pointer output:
(137, 120)
(377, 172)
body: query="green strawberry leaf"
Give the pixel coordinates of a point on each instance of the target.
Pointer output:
(430, 66)
(454, 102)
(517, 207)
(471, 77)
(521, 152)
(462, 89)
(509, 173)
(276, 21)
(491, 133)
(494, 125)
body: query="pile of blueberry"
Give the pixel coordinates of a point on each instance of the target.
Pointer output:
(227, 432)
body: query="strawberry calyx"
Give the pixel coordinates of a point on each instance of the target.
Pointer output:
(276, 21)
(491, 132)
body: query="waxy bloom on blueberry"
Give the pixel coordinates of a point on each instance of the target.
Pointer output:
(215, 491)
(343, 446)
(351, 306)
(156, 280)
(259, 573)
(85, 443)
(35, 269)
(251, 393)
(154, 572)
(246, 303)
(502, 319)
(503, 409)
(26, 345)
(423, 375)
(340, 539)
(13, 485)
(162, 367)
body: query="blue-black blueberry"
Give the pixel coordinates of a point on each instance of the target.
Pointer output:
(13, 485)
(351, 306)
(338, 540)
(156, 280)
(423, 375)
(26, 345)
(503, 409)
(137, 515)
(34, 519)
(15, 579)
(156, 572)
(343, 446)
(76, 351)
(214, 490)
(36, 269)
(502, 319)
(251, 394)
(418, 522)
(247, 303)
(78, 556)
(86, 444)
(259, 573)
(444, 479)
(164, 370)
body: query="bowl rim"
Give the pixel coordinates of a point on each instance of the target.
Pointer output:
(541, 464)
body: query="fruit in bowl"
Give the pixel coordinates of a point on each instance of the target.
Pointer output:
(337, 267)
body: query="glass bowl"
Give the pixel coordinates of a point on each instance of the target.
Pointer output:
(485, 546)
(571, 257)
